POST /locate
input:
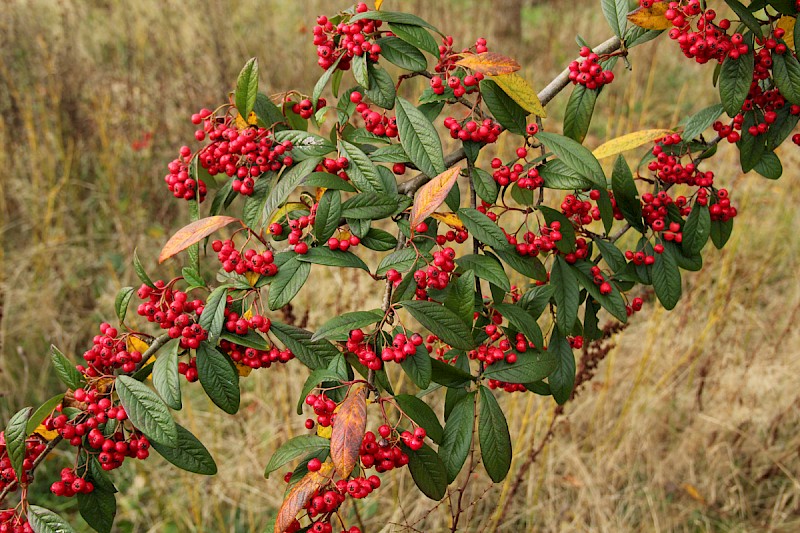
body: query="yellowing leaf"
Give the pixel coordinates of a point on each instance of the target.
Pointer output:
(451, 219)
(628, 142)
(378, 4)
(651, 18)
(286, 209)
(300, 495)
(252, 277)
(348, 431)
(135, 344)
(786, 23)
(324, 431)
(243, 370)
(489, 63)
(432, 194)
(521, 92)
(45, 433)
(241, 123)
(192, 233)
(693, 493)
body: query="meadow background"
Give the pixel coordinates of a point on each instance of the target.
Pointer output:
(692, 423)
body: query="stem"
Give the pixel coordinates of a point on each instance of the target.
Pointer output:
(50, 446)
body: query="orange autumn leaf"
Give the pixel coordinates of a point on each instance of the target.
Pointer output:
(432, 194)
(489, 63)
(651, 18)
(192, 233)
(300, 495)
(348, 431)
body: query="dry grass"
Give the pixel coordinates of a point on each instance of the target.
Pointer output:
(690, 425)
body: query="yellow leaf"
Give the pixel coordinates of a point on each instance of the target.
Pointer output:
(348, 431)
(378, 4)
(432, 194)
(135, 344)
(324, 431)
(521, 92)
(628, 142)
(286, 209)
(192, 233)
(45, 433)
(693, 493)
(451, 219)
(489, 63)
(651, 18)
(243, 370)
(786, 23)
(241, 123)
(252, 277)
(300, 495)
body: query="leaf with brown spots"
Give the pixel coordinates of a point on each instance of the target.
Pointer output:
(300, 495)
(432, 195)
(193, 233)
(651, 18)
(349, 427)
(489, 63)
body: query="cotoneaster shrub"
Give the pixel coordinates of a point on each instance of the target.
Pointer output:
(298, 181)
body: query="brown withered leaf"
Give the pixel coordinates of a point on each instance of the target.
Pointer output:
(300, 495)
(651, 18)
(489, 63)
(192, 233)
(349, 427)
(432, 195)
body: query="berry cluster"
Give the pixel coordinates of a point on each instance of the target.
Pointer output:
(343, 244)
(532, 244)
(515, 173)
(460, 87)
(500, 347)
(334, 166)
(710, 42)
(402, 346)
(305, 107)
(172, 310)
(11, 522)
(721, 209)
(599, 279)
(376, 123)
(250, 261)
(588, 71)
(656, 213)
(366, 355)
(383, 454)
(71, 484)
(109, 351)
(634, 306)
(468, 130)
(345, 40)
(436, 275)
(189, 370)
(34, 446)
(323, 409)
(180, 182)
(448, 56)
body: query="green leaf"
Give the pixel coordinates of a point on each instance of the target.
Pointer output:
(419, 139)
(247, 88)
(613, 302)
(42, 520)
(530, 366)
(562, 379)
(359, 67)
(428, 472)
(402, 54)
(461, 297)
(287, 182)
(329, 211)
(305, 145)
(442, 322)
(339, 327)
(606, 210)
(616, 13)
(457, 438)
(253, 209)
(15, 435)
(394, 153)
(636, 35)
(667, 279)
(122, 300)
(575, 156)
(328, 257)
(267, 112)
(483, 229)
(566, 292)
(612, 255)
(323, 81)
(485, 186)
(218, 377)
(98, 508)
(140, 272)
(192, 277)
(418, 367)
(189, 454)
(421, 413)
(370, 205)
(65, 370)
(769, 166)
(504, 109)
(721, 232)
(379, 240)
(782, 127)
(449, 375)
(557, 175)
(291, 277)
(626, 194)
(701, 121)
(293, 448)
(786, 74)
(313, 354)
(494, 437)
(362, 172)
(522, 322)
(213, 318)
(381, 91)
(323, 376)
(416, 36)
(146, 411)
(394, 17)
(696, 230)
(580, 108)
(751, 148)
(485, 268)
(536, 299)
(42, 412)
(734, 81)
(250, 340)
(328, 181)
(166, 378)
(401, 260)
(567, 242)
(745, 16)
(530, 267)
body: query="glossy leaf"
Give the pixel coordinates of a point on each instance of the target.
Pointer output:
(122, 300)
(745, 16)
(328, 257)
(616, 12)
(667, 279)
(734, 81)
(291, 277)
(218, 377)
(494, 437)
(419, 139)
(402, 54)
(381, 92)
(457, 437)
(42, 412)
(15, 435)
(786, 74)
(461, 297)
(485, 268)
(566, 292)
(428, 472)
(528, 266)
(557, 175)
(701, 121)
(213, 318)
(578, 114)
(421, 413)
(189, 454)
(562, 379)
(522, 322)
(140, 271)
(166, 378)
(329, 211)
(247, 87)
(361, 171)
(338, 327)
(416, 36)
(146, 411)
(442, 322)
(507, 112)
(293, 448)
(696, 230)
(485, 186)
(530, 366)
(98, 508)
(575, 156)
(379, 240)
(65, 369)
(313, 354)
(418, 367)
(287, 182)
(43, 520)
(626, 194)
(483, 229)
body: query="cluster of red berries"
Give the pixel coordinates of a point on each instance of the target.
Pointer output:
(600, 280)
(34, 446)
(506, 174)
(634, 307)
(179, 181)
(458, 235)
(345, 40)
(588, 71)
(323, 409)
(109, 351)
(383, 454)
(189, 370)
(499, 347)
(532, 244)
(376, 123)
(305, 107)
(640, 257)
(402, 346)
(247, 355)
(71, 484)
(711, 41)
(172, 309)
(486, 131)
(721, 210)
(11, 522)
(343, 244)
(296, 227)
(334, 166)
(669, 169)
(655, 210)
(436, 275)
(460, 87)
(448, 56)
(250, 261)
(366, 355)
